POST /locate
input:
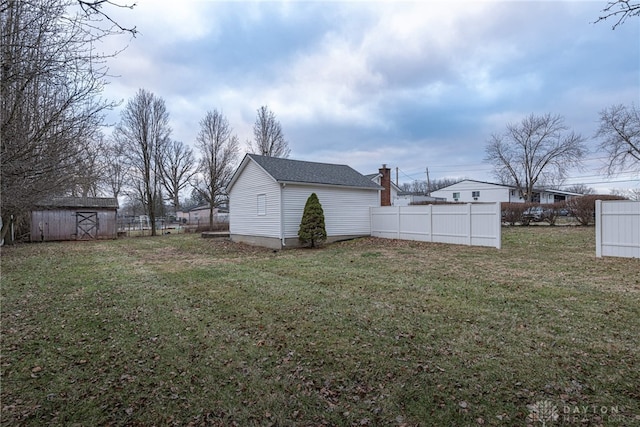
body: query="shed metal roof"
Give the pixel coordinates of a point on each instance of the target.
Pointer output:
(80, 202)
(298, 171)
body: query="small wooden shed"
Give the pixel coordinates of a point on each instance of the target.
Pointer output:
(74, 218)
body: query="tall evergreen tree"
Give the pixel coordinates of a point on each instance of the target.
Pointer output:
(312, 230)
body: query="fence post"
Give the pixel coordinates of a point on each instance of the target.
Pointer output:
(398, 221)
(598, 228)
(430, 213)
(499, 221)
(470, 218)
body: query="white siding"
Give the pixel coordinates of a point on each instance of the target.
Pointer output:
(476, 224)
(618, 228)
(346, 210)
(394, 192)
(488, 192)
(243, 204)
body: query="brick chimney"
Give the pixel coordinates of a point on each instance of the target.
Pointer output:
(385, 181)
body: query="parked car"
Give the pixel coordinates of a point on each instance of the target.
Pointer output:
(535, 213)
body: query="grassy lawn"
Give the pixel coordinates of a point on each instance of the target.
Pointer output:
(179, 330)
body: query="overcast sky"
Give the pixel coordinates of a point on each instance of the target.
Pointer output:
(409, 84)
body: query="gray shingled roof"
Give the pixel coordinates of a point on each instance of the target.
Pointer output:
(80, 202)
(292, 171)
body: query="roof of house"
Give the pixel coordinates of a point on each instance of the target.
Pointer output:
(198, 208)
(373, 176)
(547, 190)
(80, 202)
(298, 171)
(219, 209)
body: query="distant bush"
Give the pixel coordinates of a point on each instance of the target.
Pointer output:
(551, 211)
(526, 213)
(583, 208)
(217, 226)
(513, 213)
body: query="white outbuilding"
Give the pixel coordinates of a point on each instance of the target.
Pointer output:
(267, 197)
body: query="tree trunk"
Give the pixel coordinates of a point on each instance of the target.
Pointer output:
(5, 232)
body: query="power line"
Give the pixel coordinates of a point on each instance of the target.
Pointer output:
(609, 182)
(478, 167)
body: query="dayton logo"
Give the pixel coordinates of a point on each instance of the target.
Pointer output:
(543, 411)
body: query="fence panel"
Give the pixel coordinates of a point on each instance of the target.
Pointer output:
(476, 224)
(618, 228)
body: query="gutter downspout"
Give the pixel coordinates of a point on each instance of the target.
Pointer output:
(282, 229)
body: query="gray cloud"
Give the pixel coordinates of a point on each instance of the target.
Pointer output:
(407, 84)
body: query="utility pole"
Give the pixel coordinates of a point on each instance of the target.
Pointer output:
(428, 184)
(397, 185)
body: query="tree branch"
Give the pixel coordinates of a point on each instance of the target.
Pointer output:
(95, 6)
(620, 9)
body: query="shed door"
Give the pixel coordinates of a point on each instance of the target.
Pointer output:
(86, 225)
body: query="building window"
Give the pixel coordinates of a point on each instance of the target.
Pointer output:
(456, 196)
(262, 204)
(475, 194)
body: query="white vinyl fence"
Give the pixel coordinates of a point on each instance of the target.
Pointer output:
(476, 224)
(618, 228)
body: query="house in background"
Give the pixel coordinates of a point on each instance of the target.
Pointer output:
(383, 178)
(267, 197)
(74, 218)
(397, 197)
(406, 198)
(468, 191)
(200, 215)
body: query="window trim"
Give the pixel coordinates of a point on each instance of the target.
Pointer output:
(261, 206)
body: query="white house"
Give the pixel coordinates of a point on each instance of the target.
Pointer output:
(469, 190)
(267, 197)
(200, 215)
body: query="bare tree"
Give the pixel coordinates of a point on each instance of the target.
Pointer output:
(630, 193)
(89, 169)
(178, 169)
(218, 155)
(52, 75)
(415, 186)
(268, 136)
(144, 133)
(114, 167)
(580, 189)
(619, 10)
(94, 8)
(620, 134)
(539, 149)
(419, 186)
